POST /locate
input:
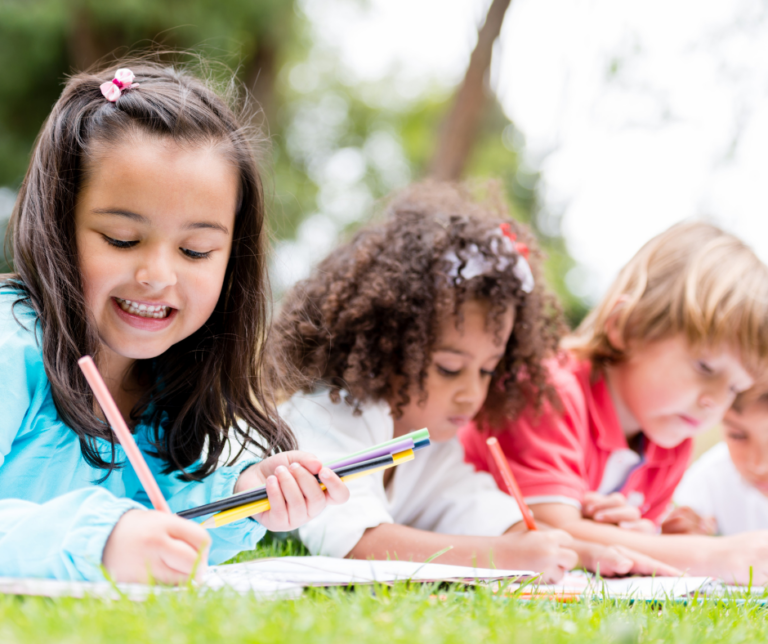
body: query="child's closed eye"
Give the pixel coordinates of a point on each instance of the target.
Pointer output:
(119, 243)
(447, 372)
(194, 254)
(704, 368)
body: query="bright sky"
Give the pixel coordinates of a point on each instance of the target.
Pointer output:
(639, 114)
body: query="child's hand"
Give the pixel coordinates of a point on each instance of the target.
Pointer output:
(294, 494)
(739, 558)
(545, 551)
(154, 546)
(615, 561)
(613, 508)
(685, 520)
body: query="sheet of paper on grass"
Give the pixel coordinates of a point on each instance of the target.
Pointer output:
(628, 588)
(279, 577)
(328, 571)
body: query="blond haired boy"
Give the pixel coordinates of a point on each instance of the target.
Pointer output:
(681, 332)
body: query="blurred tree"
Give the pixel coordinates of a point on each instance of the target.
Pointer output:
(337, 145)
(459, 129)
(43, 40)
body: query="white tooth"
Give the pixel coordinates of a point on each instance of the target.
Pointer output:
(143, 307)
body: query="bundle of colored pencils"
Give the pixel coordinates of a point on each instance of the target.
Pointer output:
(367, 461)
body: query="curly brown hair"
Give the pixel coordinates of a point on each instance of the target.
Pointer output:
(366, 322)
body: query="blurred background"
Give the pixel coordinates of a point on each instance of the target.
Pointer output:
(605, 120)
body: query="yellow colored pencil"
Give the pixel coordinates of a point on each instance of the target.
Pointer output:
(257, 507)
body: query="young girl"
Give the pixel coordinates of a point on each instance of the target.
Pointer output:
(424, 320)
(681, 332)
(138, 238)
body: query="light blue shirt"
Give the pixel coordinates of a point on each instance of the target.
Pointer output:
(55, 517)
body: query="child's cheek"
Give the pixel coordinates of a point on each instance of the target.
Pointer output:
(738, 451)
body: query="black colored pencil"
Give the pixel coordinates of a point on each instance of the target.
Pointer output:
(261, 493)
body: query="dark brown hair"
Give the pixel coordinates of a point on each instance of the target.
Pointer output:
(211, 381)
(369, 316)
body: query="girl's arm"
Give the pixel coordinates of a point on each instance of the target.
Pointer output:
(729, 558)
(63, 538)
(542, 551)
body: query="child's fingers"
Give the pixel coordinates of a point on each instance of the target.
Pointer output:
(645, 565)
(617, 514)
(189, 532)
(295, 503)
(308, 461)
(567, 558)
(314, 496)
(180, 557)
(336, 490)
(644, 526)
(278, 512)
(594, 502)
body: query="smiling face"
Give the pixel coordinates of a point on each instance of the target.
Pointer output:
(746, 434)
(154, 225)
(459, 373)
(671, 391)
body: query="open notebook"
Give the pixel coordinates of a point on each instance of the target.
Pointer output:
(279, 577)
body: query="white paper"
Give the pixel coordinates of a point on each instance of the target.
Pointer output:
(643, 588)
(272, 578)
(329, 571)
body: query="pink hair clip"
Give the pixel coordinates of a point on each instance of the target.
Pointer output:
(520, 248)
(123, 80)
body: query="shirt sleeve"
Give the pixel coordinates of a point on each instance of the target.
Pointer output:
(227, 540)
(331, 430)
(338, 529)
(545, 450)
(61, 539)
(461, 500)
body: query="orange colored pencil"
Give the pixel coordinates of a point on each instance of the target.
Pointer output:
(510, 482)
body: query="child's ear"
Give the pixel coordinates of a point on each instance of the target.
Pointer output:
(614, 331)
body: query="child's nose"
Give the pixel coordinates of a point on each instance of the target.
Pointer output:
(472, 391)
(717, 397)
(156, 269)
(759, 465)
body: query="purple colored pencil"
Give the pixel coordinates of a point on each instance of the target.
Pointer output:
(401, 446)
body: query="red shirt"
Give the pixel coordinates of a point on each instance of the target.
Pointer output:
(557, 457)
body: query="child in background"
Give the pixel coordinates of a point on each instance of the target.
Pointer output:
(681, 332)
(138, 238)
(424, 320)
(726, 490)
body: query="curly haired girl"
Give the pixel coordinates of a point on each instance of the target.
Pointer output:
(428, 319)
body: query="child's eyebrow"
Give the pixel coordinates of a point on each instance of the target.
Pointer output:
(459, 352)
(195, 225)
(121, 213)
(735, 425)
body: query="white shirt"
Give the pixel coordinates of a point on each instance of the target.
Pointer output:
(437, 491)
(714, 488)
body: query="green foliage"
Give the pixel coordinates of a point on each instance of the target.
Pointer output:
(41, 41)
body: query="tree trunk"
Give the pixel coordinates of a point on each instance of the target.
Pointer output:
(259, 78)
(457, 135)
(83, 45)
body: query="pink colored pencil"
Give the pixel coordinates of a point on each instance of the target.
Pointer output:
(124, 435)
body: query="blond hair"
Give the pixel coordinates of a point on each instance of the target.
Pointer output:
(693, 279)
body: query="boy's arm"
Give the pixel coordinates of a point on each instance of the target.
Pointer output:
(729, 558)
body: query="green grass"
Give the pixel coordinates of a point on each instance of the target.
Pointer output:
(381, 614)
